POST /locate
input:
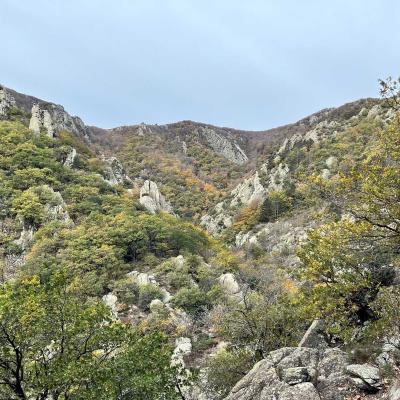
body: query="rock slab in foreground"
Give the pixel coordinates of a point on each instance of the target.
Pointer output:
(303, 373)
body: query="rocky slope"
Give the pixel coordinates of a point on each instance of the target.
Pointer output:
(279, 168)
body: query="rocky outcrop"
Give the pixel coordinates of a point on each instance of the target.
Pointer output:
(250, 190)
(310, 371)
(245, 193)
(52, 118)
(218, 221)
(152, 199)
(70, 158)
(25, 238)
(143, 278)
(6, 101)
(223, 146)
(297, 373)
(280, 238)
(394, 391)
(183, 347)
(41, 119)
(115, 173)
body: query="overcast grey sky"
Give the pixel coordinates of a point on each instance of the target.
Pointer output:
(247, 64)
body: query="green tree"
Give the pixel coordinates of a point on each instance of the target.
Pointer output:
(55, 343)
(348, 262)
(225, 369)
(276, 204)
(29, 208)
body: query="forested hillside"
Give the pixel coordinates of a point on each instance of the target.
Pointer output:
(163, 262)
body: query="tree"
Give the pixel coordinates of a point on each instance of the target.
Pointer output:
(29, 207)
(276, 204)
(264, 318)
(225, 369)
(55, 343)
(349, 261)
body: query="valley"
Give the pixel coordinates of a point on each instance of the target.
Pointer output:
(189, 261)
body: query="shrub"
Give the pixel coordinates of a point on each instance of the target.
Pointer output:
(147, 293)
(192, 300)
(225, 369)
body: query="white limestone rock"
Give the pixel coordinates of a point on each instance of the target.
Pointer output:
(56, 210)
(70, 158)
(230, 285)
(142, 278)
(41, 118)
(110, 300)
(25, 237)
(250, 190)
(179, 261)
(184, 147)
(54, 119)
(374, 111)
(394, 391)
(325, 174)
(6, 101)
(223, 146)
(215, 224)
(331, 162)
(296, 374)
(183, 347)
(152, 199)
(116, 174)
(314, 337)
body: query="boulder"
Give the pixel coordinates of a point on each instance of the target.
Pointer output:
(302, 391)
(183, 347)
(229, 284)
(293, 373)
(365, 376)
(179, 261)
(142, 278)
(325, 174)
(331, 162)
(314, 337)
(394, 391)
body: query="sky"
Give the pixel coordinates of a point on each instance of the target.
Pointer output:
(246, 64)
